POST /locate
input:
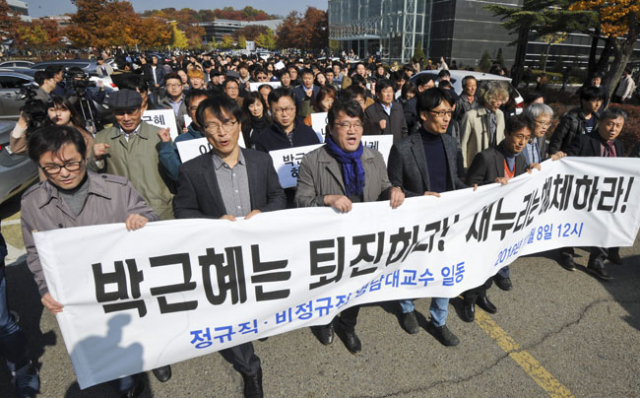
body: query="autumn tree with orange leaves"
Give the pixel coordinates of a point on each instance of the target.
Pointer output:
(309, 32)
(619, 20)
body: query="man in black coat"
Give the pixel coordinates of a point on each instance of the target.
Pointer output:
(386, 114)
(600, 143)
(206, 190)
(425, 163)
(498, 164)
(580, 120)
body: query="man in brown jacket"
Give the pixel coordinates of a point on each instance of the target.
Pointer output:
(72, 196)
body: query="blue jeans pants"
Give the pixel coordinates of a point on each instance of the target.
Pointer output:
(439, 309)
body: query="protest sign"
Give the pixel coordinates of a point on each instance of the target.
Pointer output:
(319, 124)
(193, 148)
(381, 143)
(163, 118)
(175, 290)
(287, 163)
(256, 86)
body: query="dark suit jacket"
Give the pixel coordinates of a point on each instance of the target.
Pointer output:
(407, 166)
(396, 123)
(489, 165)
(199, 194)
(589, 145)
(411, 115)
(300, 95)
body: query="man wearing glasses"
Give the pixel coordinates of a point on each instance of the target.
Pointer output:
(498, 164)
(174, 99)
(129, 149)
(425, 163)
(72, 196)
(287, 130)
(228, 183)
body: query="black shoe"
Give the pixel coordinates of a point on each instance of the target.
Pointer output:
(468, 312)
(614, 257)
(596, 268)
(350, 340)
(443, 335)
(253, 385)
(484, 303)
(134, 392)
(324, 333)
(503, 283)
(27, 381)
(162, 373)
(568, 264)
(409, 322)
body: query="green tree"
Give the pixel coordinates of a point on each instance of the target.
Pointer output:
(419, 55)
(242, 42)
(485, 62)
(500, 57)
(534, 19)
(266, 40)
(179, 39)
(227, 42)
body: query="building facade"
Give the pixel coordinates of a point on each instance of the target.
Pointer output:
(215, 30)
(460, 30)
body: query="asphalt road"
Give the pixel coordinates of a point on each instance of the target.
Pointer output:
(557, 333)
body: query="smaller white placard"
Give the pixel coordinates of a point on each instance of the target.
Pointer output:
(193, 148)
(381, 143)
(319, 124)
(287, 163)
(163, 118)
(254, 86)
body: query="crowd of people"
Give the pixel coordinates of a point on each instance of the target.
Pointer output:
(131, 172)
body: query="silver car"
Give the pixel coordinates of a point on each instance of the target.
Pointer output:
(11, 81)
(16, 171)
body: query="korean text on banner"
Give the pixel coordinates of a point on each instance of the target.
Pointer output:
(207, 285)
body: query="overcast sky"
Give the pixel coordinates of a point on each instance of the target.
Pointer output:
(39, 8)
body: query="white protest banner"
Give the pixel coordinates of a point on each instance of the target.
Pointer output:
(381, 143)
(193, 148)
(319, 124)
(279, 65)
(175, 290)
(187, 120)
(255, 86)
(287, 163)
(163, 118)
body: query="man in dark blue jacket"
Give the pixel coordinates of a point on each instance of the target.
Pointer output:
(425, 163)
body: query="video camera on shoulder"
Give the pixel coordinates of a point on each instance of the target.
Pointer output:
(33, 110)
(78, 80)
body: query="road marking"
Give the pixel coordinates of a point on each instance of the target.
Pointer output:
(11, 222)
(526, 361)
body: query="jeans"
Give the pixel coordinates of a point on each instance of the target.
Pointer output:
(13, 341)
(439, 309)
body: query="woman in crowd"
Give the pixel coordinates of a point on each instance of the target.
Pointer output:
(361, 177)
(320, 80)
(256, 117)
(323, 102)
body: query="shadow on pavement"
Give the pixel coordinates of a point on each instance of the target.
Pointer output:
(624, 287)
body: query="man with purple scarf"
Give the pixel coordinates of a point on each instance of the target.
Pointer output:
(339, 174)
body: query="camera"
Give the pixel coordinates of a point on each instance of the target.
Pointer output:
(33, 110)
(79, 81)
